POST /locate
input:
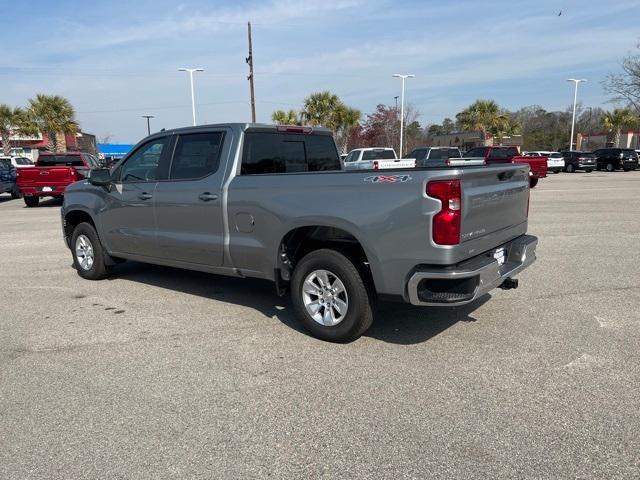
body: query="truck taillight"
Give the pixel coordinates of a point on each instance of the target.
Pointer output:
(446, 223)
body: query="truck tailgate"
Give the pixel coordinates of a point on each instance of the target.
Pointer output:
(494, 199)
(538, 165)
(38, 177)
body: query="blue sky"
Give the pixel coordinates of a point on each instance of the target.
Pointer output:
(118, 60)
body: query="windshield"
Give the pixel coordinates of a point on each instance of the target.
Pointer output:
(555, 155)
(587, 155)
(378, 155)
(58, 160)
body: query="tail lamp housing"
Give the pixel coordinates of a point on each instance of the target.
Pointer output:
(445, 227)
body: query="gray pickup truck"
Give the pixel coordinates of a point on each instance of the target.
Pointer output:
(251, 200)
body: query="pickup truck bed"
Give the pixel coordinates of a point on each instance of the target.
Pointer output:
(275, 205)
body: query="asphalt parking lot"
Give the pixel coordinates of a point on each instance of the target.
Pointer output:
(163, 373)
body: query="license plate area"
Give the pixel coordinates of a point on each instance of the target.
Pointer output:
(47, 189)
(500, 255)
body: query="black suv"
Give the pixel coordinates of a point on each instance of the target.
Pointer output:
(612, 159)
(574, 160)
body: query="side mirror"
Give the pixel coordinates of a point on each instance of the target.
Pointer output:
(100, 177)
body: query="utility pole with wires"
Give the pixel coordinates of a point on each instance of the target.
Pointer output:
(249, 60)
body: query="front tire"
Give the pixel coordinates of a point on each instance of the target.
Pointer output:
(533, 181)
(330, 297)
(610, 167)
(31, 201)
(571, 168)
(589, 170)
(15, 193)
(88, 254)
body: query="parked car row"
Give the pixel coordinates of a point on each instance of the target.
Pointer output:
(52, 173)
(8, 178)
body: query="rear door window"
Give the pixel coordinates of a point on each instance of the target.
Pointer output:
(196, 155)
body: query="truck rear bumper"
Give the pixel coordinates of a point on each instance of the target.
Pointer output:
(52, 191)
(469, 280)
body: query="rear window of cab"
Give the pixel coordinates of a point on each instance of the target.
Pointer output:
(268, 153)
(60, 160)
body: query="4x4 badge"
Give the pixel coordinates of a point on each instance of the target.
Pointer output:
(388, 178)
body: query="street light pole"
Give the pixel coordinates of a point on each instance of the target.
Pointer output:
(193, 100)
(575, 100)
(148, 124)
(403, 77)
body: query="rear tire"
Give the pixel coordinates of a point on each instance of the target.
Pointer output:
(556, 171)
(571, 168)
(610, 167)
(533, 181)
(88, 254)
(352, 297)
(15, 193)
(626, 169)
(32, 201)
(589, 170)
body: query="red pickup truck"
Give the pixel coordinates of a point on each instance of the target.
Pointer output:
(52, 173)
(537, 165)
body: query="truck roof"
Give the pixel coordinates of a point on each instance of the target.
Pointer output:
(250, 126)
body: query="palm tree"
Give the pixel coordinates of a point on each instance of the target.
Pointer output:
(281, 117)
(616, 121)
(345, 118)
(484, 116)
(13, 121)
(53, 115)
(320, 108)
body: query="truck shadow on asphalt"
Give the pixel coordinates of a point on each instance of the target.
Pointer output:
(397, 323)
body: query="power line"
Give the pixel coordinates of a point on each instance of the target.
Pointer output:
(171, 107)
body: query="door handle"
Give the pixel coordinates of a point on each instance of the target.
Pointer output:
(145, 196)
(206, 196)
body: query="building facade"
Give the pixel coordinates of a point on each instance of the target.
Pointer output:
(468, 140)
(593, 141)
(30, 145)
